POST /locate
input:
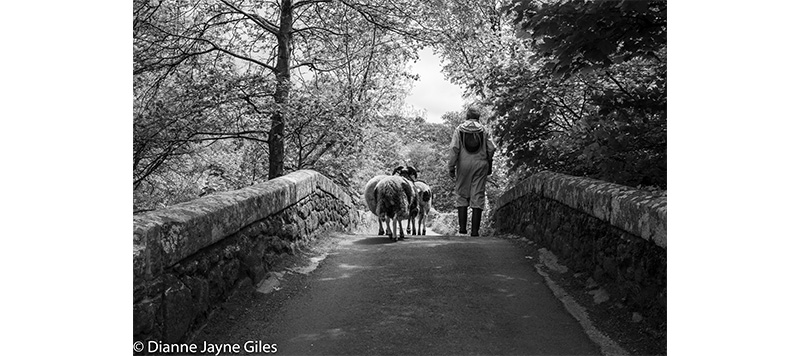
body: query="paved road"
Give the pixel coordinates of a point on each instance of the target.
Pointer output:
(431, 295)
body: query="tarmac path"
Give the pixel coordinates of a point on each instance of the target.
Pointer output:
(425, 295)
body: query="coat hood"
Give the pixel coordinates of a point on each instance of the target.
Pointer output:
(470, 126)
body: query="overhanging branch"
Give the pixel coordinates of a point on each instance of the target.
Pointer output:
(244, 58)
(260, 21)
(302, 3)
(317, 28)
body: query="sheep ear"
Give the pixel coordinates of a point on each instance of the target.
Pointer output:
(396, 170)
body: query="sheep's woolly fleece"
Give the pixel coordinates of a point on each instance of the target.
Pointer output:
(393, 197)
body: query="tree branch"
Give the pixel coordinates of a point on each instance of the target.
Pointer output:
(244, 58)
(625, 91)
(302, 3)
(260, 21)
(246, 132)
(222, 136)
(313, 66)
(372, 18)
(315, 28)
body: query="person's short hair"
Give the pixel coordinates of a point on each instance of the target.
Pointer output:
(473, 114)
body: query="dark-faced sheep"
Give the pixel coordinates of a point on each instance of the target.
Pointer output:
(424, 197)
(410, 173)
(394, 196)
(372, 200)
(407, 172)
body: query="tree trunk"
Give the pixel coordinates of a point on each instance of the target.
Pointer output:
(283, 86)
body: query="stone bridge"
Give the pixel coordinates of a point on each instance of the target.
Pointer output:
(191, 256)
(189, 259)
(614, 233)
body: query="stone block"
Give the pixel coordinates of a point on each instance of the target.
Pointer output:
(144, 317)
(178, 311)
(149, 288)
(139, 291)
(216, 284)
(288, 232)
(140, 264)
(313, 221)
(230, 273)
(252, 265)
(200, 293)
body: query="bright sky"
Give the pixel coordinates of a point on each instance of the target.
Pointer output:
(432, 92)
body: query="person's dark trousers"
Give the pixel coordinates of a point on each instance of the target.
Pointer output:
(476, 221)
(462, 219)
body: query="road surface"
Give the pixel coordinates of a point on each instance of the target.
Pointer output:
(426, 295)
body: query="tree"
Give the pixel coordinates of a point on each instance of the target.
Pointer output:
(575, 86)
(195, 105)
(593, 101)
(260, 36)
(205, 80)
(579, 35)
(472, 36)
(231, 92)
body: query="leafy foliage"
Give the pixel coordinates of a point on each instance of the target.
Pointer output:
(579, 35)
(575, 86)
(188, 110)
(212, 90)
(572, 86)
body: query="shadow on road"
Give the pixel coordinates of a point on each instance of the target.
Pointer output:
(379, 240)
(435, 239)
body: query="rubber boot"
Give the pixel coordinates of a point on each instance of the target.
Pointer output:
(476, 221)
(462, 219)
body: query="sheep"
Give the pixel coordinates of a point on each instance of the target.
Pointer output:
(371, 199)
(425, 197)
(410, 173)
(394, 196)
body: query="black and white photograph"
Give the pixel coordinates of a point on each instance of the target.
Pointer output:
(405, 177)
(336, 177)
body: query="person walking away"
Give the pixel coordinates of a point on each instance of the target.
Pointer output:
(470, 164)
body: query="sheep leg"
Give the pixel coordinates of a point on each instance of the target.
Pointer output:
(408, 228)
(400, 221)
(394, 229)
(422, 224)
(380, 226)
(389, 228)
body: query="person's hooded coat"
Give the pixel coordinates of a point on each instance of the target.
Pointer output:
(470, 156)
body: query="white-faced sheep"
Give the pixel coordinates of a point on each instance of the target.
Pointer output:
(372, 200)
(394, 196)
(424, 198)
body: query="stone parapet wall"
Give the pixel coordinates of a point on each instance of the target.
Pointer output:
(636, 211)
(615, 234)
(189, 257)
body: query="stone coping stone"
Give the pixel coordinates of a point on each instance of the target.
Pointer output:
(163, 237)
(636, 211)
